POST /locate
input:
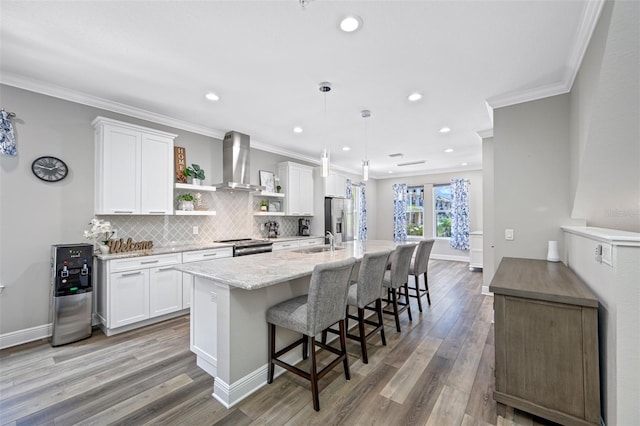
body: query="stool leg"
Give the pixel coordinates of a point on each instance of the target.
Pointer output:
(406, 289)
(418, 292)
(314, 374)
(305, 347)
(395, 309)
(272, 350)
(324, 337)
(363, 336)
(379, 311)
(426, 286)
(343, 347)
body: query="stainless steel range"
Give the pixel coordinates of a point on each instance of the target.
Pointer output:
(246, 246)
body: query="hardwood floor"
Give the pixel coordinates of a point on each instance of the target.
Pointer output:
(437, 371)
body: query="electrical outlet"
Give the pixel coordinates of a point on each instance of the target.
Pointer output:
(195, 230)
(508, 234)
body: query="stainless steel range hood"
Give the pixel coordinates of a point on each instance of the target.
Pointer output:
(236, 163)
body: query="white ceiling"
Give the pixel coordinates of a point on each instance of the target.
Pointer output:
(265, 59)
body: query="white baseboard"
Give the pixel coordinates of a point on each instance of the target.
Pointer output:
(450, 257)
(27, 335)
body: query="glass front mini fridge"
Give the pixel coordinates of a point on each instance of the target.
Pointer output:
(72, 292)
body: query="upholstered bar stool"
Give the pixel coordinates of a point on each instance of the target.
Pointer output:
(362, 293)
(397, 278)
(309, 315)
(419, 266)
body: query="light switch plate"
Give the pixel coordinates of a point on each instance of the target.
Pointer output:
(508, 234)
(606, 254)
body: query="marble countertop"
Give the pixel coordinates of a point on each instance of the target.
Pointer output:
(262, 270)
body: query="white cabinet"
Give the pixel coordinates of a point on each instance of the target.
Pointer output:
(297, 183)
(136, 289)
(197, 256)
(312, 242)
(335, 185)
(475, 249)
(133, 169)
(302, 242)
(284, 245)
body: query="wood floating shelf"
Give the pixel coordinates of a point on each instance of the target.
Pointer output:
(195, 212)
(268, 213)
(201, 188)
(272, 194)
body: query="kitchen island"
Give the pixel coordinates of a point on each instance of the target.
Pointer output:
(228, 311)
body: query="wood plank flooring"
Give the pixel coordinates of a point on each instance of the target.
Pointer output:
(438, 371)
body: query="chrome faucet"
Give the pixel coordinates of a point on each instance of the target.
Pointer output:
(332, 241)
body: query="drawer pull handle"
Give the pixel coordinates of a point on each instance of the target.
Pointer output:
(128, 274)
(170, 268)
(157, 212)
(146, 262)
(209, 254)
(123, 211)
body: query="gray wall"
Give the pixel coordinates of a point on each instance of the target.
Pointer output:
(384, 207)
(489, 234)
(531, 176)
(605, 135)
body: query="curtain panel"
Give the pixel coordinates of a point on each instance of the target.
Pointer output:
(399, 212)
(459, 214)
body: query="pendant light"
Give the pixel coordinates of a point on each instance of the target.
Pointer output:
(324, 88)
(365, 163)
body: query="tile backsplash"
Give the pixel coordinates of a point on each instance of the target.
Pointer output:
(234, 219)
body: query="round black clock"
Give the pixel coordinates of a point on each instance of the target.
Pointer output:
(49, 169)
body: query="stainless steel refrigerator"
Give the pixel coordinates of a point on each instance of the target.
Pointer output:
(339, 219)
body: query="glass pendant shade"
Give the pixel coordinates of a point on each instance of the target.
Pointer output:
(365, 170)
(325, 163)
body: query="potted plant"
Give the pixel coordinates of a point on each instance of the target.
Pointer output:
(195, 173)
(263, 206)
(185, 202)
(100, 231)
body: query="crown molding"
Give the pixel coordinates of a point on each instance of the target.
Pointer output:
(587, 25)
(487, 133)
(96, 102)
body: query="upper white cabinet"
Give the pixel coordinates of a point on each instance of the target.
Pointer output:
(335, 185)
(297, 183)
(134, 169)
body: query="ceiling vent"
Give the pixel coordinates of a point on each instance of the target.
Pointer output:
(412, 163)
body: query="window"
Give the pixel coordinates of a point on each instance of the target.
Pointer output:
(415, 211)
(442, 211)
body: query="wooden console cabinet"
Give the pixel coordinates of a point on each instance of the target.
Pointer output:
(546, 342)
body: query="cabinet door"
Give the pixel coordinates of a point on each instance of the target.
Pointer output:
(306, 191)
(312, 242)
(284, 245)
(118, 177)
(165, 291)
(335, 185)
(295, 205)
(156, 175)
(129, 298)
(187, 289)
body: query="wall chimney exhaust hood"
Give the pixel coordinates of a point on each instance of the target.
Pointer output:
(236, 164)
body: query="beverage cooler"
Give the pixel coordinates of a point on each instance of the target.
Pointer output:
(72, 292)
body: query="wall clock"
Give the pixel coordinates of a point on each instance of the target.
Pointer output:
(49, 169)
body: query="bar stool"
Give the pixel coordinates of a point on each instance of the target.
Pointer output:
(397, 278)
(419, 266)
(309, 315)
(362, 293)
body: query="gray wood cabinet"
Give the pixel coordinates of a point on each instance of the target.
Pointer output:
(546, 342)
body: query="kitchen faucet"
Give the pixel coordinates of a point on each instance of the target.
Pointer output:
(332, 240)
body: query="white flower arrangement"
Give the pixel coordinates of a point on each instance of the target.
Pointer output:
(100, 229)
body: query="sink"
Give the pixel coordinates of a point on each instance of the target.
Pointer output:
(316, 249)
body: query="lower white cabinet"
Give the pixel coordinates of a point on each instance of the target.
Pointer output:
(302, 242)
(137, 291)
(475, 249)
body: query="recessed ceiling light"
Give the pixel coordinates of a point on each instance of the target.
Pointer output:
(212, 96)
(445, 130)
(464, 164)
(448, 150)
(346, 148)
(297, 129)
(389, 172)
(415, 97)
(350, 24)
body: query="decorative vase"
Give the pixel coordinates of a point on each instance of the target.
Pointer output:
(104, 249)
(195, 181)
(263, 208)
(185, 205)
